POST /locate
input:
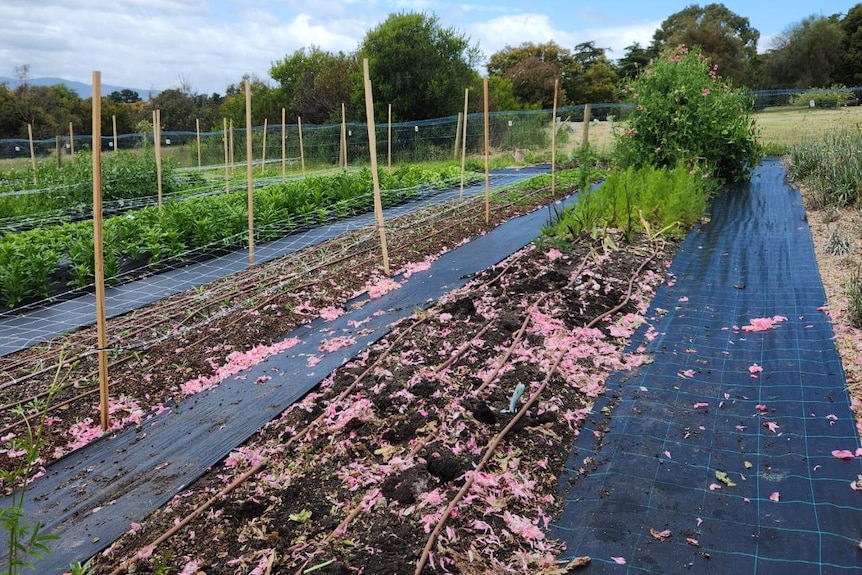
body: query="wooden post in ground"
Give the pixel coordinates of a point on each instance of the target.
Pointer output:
(59, 146)
(487, 156)
(98, 253)
(249, 176)
(301, 148)
(554, 142)
(263, 146)
(372, 148)
(71, 142)
(585, 140)
(464, 141)
(283, 146)
(343, 160)
(114, 125)
(389, 141)
(32, 153)
(226, 157)
(157, 138)
(457, 146)
(198, 133)
(232, 154)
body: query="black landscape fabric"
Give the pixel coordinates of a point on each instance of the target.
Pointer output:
(91, 497)
(717, 457)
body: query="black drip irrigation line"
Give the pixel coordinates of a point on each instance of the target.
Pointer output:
(717, 457)
(20, 329)
(91, 497)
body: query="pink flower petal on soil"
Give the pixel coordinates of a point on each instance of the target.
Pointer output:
(714, 486)
(700, 404)
(843, 454)
(619, 560)
(775, 496)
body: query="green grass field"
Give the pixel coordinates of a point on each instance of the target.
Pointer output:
(788, 126)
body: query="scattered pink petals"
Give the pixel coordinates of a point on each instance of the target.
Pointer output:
(554, 254)
(619, 560)
(689, 373)
(775, 496)
(763, 323)
(754, 370)
(660, 535)
(843, 454)
(760, 407)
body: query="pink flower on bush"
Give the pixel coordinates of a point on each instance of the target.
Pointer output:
(706, 92)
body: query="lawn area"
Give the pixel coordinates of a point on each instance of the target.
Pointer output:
(786, 126)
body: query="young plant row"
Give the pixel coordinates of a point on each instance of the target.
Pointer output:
(634, 200)
(41, 263)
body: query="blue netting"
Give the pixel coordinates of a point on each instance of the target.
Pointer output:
(658, 453)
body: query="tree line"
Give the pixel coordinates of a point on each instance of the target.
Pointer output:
(422, 68)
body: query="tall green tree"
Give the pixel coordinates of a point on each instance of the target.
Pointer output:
(726, 38)
(314, 84)
(807, 54)
(418, 66)
(849, 70)
(635, 59)
(528, 67)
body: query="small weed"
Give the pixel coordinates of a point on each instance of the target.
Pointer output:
(838, 243)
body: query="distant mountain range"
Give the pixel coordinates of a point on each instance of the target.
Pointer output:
(84, 91)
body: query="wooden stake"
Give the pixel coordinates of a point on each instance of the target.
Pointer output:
(59, 145)
(464, 141)
(248, 172)
(32, 153)
(232, 155)
(343, 138)
(585, 141)
(372, 148)
(487, 156)
(389, 141)
(301, 148)
(157, 137)
(283, 146)
(263, 145)
(98, 253)
(198, 131)
(554, 142)
(71, 142)
(114, 124)
(457, 146)
(226, 158)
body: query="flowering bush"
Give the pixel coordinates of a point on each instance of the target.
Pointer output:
(684, 111)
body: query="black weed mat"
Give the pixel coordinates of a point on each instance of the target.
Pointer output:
(702, 463)
(92, 496)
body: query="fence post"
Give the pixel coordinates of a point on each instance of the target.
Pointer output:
(585, 140)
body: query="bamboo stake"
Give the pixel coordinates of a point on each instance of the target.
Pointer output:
(343, 137)
(198, 130)
(283, 146)
(372, 148)
(301, 148)
(157, 137)
(226, 158)
(98, 253)
(71, 142)
(114, 124)
(389, 141)
(457, 146)
(32, 152)
(464, 141)
(554, 142)
(585, 141)
(248, 172)
(59, 146)
(487, 156)
(232, 155)
(263, 145)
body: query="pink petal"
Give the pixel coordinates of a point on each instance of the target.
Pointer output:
(775, 496)
(619, 560)
(714, 486)
(760, 407)
(843, 454)
(755, 369)
(667, 454)
(700, 404)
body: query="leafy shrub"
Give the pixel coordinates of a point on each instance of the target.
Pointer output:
(835, 97)
(684, 112)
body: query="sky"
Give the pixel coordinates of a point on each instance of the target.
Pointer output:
(210, 44)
